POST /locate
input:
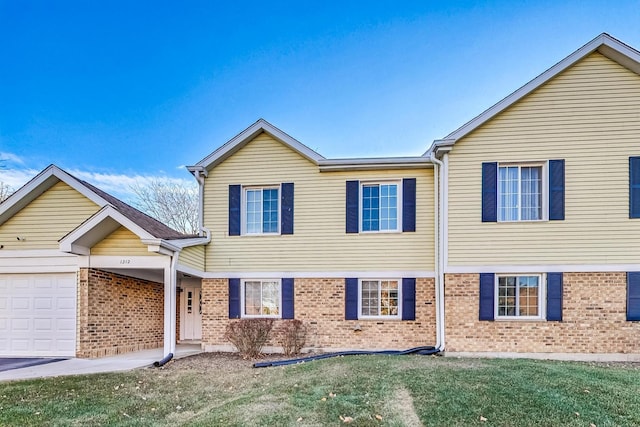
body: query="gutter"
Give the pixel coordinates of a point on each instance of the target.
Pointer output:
(338, 165)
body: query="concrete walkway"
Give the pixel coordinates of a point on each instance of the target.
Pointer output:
(121, 362)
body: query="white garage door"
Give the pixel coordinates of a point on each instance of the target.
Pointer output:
(38, 314)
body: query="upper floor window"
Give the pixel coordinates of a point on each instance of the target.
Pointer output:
(520, 190)
(261, 210)
(380, 206)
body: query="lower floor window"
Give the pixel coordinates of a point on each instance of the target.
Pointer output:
(261, 298)
(519, 296)
(379, 298)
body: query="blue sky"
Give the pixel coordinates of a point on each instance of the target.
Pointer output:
(120, 91)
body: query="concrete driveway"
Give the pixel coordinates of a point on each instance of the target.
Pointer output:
(121, 362)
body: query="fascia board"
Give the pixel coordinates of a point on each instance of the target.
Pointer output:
(333, 165)
(97, 221)
(604, 43)
(185, 243)
(237, 142)
(38, 185)
(160, 245)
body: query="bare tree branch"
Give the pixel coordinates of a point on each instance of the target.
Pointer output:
(5, 191)
(173, 204)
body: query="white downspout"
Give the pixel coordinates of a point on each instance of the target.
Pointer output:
(439, 250)
(199, 175)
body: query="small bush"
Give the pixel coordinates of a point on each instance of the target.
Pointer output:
(249, 336)
(293, 336)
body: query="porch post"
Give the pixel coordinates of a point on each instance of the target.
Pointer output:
(170, 308)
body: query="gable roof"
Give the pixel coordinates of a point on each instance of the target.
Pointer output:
(324, 164)
(53, 174)
(244, 137)
(606, 45)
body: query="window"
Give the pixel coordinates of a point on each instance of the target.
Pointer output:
(379, 298)
(380, 202)
(520, 189)
(262, 213)
(261, 298)
(519, 296)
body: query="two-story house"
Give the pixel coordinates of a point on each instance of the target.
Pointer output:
(516, 233)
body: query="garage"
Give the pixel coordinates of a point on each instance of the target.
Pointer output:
(38, 314)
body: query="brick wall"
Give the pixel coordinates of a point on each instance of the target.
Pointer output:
(319, 303)
(118, 314)
(594, 312)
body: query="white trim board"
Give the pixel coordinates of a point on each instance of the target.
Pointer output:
(124, 262)
(35, 253)
(313, 274)
(37, 261)
(543, 268)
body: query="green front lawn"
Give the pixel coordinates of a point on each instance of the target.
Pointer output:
(222, 390)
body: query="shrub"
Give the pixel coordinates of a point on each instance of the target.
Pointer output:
(249, 335)
(293, 336)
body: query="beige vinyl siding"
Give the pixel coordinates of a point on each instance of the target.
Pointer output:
(121, 242)
(319, 242)
(590, 116)
(46, 219)
(193, 257)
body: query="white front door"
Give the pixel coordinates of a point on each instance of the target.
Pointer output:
(191, 312)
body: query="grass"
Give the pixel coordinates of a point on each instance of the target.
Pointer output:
(364, 390)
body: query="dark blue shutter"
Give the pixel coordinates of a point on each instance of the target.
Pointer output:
(353, 195)
(634, 187)
(287, 299)
(235, 196)
(554, 296)
(286, 215)
(489, 192)
(556, 190)
(234, 298)
(409, 204)
(408, 299)
(487, 284)
(633, 295)
(351, 299)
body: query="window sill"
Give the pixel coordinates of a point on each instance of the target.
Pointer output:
(520, 221)
(520, 319)
(261, 317)
(379, 318)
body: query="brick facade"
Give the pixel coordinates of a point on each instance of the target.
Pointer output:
(594, 319)
(320, 304)
(118, 314)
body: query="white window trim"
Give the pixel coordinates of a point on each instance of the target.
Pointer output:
(258, 316)
(243, 210)
(381, 317)
(542, 297)
(544, 207)
(398, 182)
